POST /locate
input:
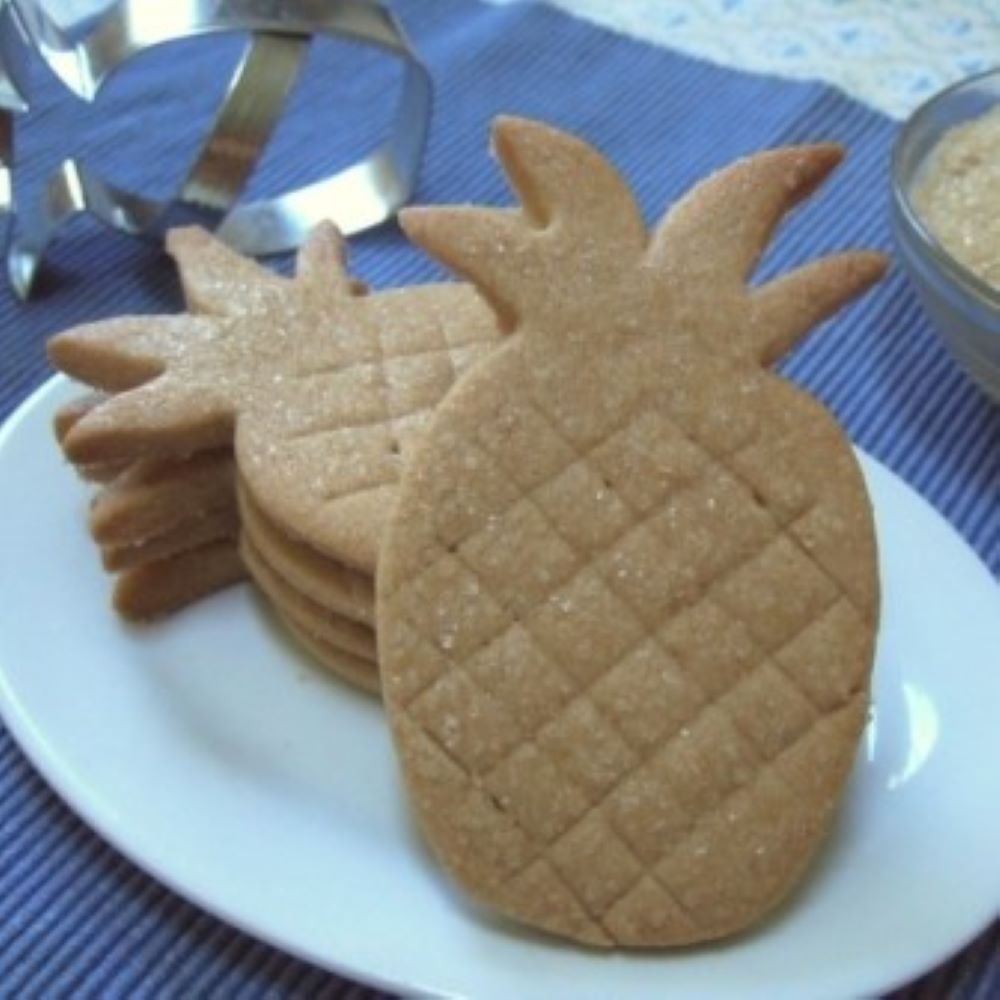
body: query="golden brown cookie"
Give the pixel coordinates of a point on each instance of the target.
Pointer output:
(333, 630)
(152, 510)
(354, 669)
(161, 587)
(193, 532)
(320, 390)
(328, 606)
(69, 413)
(152, 497)
(66, 416)
(628, 597)
(345, 592)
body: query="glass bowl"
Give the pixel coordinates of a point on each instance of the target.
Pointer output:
(963, 307)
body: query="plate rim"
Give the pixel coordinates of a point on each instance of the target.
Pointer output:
(73, 795)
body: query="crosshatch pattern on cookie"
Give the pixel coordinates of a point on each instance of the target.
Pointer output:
(599, 770)
(347, 464)
(650, 610)
(322, 388)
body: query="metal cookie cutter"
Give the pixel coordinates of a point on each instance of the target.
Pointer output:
(356, 198)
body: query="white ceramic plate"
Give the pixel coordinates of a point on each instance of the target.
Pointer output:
(219, 760)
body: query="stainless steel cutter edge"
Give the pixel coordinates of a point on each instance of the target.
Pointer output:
(356, 198)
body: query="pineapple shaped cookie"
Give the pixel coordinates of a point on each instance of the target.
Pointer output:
(627, 599)
(318, 387)
(312, 389)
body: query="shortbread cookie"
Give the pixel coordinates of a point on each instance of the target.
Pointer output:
(155, 496)
(218, 282)
(70, 412)
(321, 391)
(160, 587)
(66, 416)
(333, 629)
(332, 606)
(628, 597)
(100, 472)
(194, 532)
(345, 592)
(153, 510)
(354, 669)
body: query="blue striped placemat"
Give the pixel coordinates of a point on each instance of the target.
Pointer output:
(75, 918)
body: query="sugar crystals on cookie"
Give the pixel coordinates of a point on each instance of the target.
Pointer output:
(628, 596)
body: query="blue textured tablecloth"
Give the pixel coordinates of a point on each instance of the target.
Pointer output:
(75, 918)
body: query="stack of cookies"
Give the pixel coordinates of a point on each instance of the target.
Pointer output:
(627, 593)
(167, 527)
(328, 607)
(166, 517)
(627, 599)
(277, 409)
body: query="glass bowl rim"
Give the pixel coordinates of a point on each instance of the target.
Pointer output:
(964, 279)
